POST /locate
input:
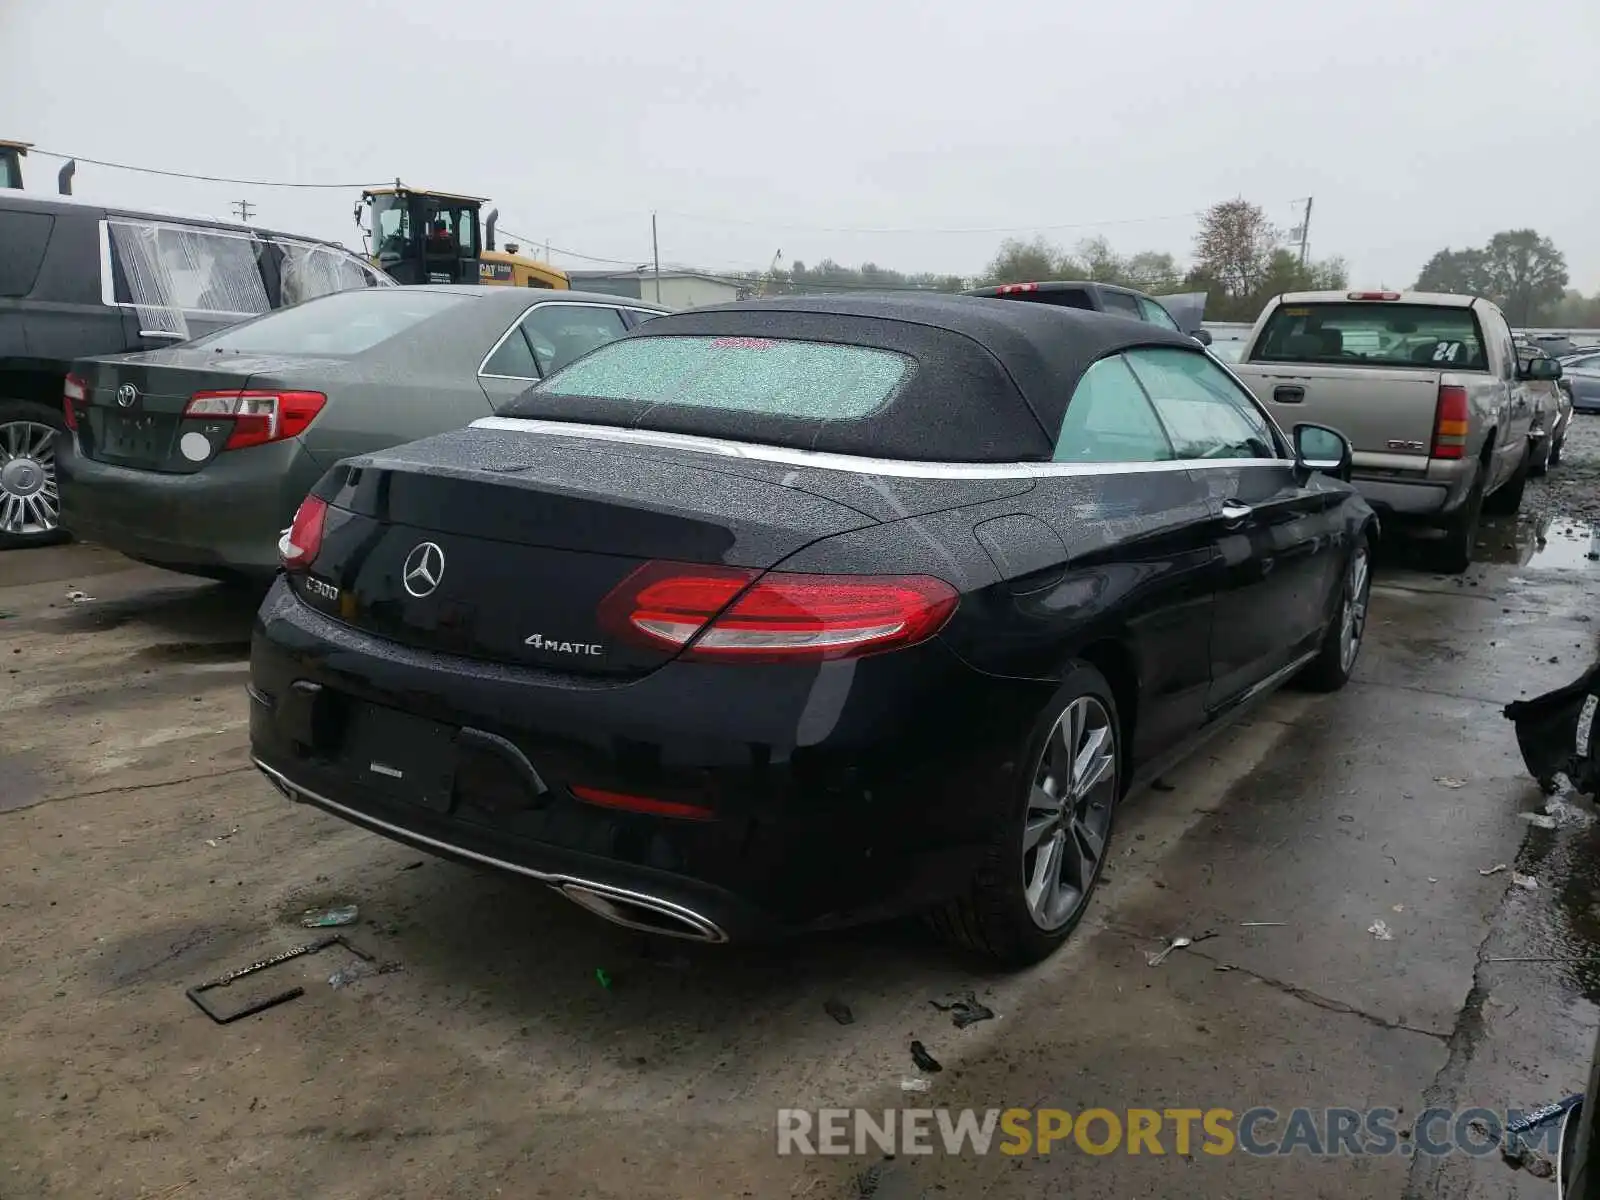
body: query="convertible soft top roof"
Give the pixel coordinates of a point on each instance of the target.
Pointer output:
(991, 383)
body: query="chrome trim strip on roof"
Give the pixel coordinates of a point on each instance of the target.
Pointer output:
(523, 316)
(856, 464)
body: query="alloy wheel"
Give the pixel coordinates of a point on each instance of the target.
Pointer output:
(1069, 813)
(30, 502)
(1353, 618)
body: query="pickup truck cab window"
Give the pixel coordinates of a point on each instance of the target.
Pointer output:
(1121, 304)
(1200, 405)
(1380, 334)
(1156, 314)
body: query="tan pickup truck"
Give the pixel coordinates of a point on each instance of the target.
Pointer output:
(1441, 412)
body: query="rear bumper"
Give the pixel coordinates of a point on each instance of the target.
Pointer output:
(1424, 500)
(223, 519)
(837, 794)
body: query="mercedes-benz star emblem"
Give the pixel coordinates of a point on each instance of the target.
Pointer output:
(423, 570)
(126, 395)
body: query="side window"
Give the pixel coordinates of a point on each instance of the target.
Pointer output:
(512, 358)
(1109, 419)
(23, 238)
(1200, 406)
(1120, 304)
(1156, 314)
(560, 333)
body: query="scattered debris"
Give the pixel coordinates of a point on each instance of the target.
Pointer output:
(964, 1010)
(1380, 930)
(1398, 908)
(78, 597)
(327, 918)
(1544, 1115)
(360, 970)
(839, 1011)
(1447, 781)
(1431, 879)
(603, 978)
(1555, 733)
(222, 837)
(1223, 967)
(914, 1085)
(1526, 958)
(1494, 870)
(1262, 924)
(1178, 943)
(925, 1061)
(1525, 881)
(1538, 820)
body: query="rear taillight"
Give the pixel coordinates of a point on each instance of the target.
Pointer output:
(73, 393)
(731, 614)
(258, 417)
(299, 547)
(641, 804)
(1450, 423)
(1373, 296)
(1011, 289)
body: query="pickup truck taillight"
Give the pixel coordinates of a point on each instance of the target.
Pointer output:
(258, 417)
(73, 393)
(1450, 423)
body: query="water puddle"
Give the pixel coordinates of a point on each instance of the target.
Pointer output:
(1549, 543)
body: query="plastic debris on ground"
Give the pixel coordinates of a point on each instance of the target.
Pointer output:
(328, 918)
(839, 1011)
(964, 1009)
(360, 970)
(925, 1061)
(1446, 781)
(1525, 881)
(1262, 924)
(222, 837)
(1380, 930)
(1177, 943)
(78, 597)
(1494, 870)
(602, 977)
(1538, 820)
(1555, 733)
(914, 1085)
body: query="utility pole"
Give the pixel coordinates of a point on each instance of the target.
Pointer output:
(243, 208)
(1305, 233)
(655, 250)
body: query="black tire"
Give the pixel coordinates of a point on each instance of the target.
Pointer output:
(995, 917)
(1454, 554)
(1331, 669)
(1508, 499)
(17, 416)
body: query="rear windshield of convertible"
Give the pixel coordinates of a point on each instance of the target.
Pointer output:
(778, 377)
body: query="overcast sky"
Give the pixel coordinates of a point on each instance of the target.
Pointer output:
(852, 129)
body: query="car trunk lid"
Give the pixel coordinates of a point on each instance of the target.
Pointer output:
(497, 546)
(134, 411)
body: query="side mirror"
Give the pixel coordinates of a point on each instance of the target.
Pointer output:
(1318, 448)
(1539, 369)
(1203, 336)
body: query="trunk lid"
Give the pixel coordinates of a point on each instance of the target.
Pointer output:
(146, 428)
(498, 546)
(1382, 410)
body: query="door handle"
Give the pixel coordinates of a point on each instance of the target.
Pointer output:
(1287, 394)
(1233, 512)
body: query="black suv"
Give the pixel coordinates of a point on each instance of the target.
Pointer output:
(1182, 313)
(80, 279)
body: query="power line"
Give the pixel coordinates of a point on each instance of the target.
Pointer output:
(1043, 228)
(115, 166)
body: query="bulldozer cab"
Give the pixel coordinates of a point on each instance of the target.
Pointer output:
(11, 156)
(423, 237)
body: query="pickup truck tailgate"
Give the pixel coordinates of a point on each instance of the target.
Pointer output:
(1382, 410)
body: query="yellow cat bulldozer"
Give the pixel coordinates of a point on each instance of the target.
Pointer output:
(421, 236)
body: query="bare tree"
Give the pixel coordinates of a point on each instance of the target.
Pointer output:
(1235, 245)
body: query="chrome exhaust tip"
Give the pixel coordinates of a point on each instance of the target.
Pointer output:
(645, 913)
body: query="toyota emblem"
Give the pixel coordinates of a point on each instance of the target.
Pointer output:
(424, 568)
(127, 394)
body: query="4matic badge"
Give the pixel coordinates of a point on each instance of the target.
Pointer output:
(551, 646)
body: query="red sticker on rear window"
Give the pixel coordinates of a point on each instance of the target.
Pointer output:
(743, 343)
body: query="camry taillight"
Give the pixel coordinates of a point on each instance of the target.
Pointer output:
(73, 393)
(732, 614)
(299, 547)
(1450, 423)
(258, 417)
